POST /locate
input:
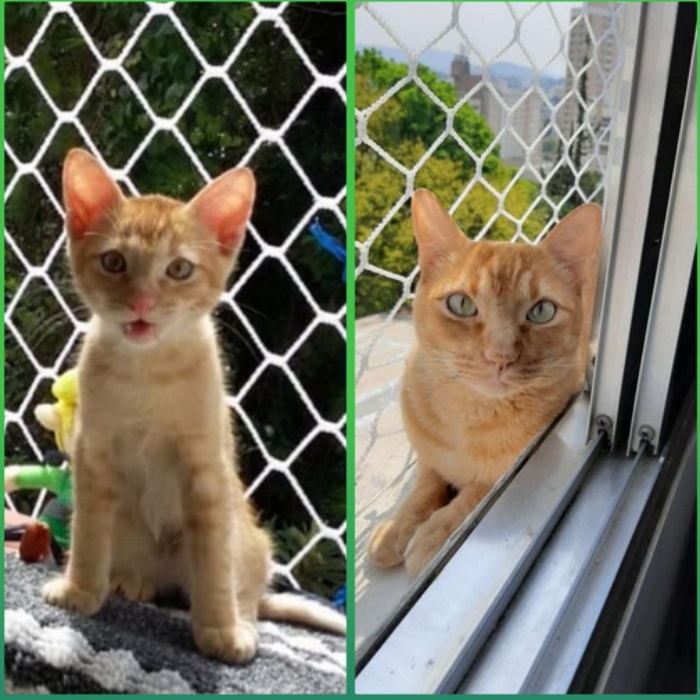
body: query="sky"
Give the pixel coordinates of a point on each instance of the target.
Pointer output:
(488, 27)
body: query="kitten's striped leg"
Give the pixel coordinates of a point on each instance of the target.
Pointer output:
(389, 540)
(211, 509)
(86, 582)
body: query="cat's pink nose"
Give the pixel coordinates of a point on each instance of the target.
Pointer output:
(501, 360)
(141, 304)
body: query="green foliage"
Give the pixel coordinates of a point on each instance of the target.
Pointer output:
(271, 78)
(562, 187)
(323, 567)
(406, 126)
(410, 116)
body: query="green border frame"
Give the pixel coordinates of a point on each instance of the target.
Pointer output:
(350, 345)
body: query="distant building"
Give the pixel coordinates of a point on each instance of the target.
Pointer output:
(582, 48)
(461, 74)
(527, 120)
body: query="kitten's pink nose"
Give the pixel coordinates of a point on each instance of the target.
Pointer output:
(141, 304)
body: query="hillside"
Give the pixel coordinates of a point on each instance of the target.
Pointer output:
(439, 61)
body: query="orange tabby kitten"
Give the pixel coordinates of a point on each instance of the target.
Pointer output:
(158, 501)
(502, 337)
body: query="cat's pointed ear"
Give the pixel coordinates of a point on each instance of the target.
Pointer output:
(88, 192)
(436, 232)
(224, 206)
(575, 241)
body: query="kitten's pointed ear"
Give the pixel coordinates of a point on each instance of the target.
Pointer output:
(224, 206)
(575, 241)
(436, 232)
(88, 192)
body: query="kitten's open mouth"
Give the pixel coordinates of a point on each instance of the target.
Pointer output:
(140, 331)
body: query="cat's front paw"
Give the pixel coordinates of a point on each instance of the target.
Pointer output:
(388, 542)
(384, 549)
(64, 594)
(426, 543)
(235, 645)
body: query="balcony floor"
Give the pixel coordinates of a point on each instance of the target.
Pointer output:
(383, 474)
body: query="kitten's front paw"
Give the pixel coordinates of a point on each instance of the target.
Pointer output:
(426, 543)
(236, 644)
(132, 587)
(64, 594)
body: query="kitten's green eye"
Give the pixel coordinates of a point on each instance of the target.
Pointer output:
(542, 312)
(113, 262)
(461, 305)
(180, 269)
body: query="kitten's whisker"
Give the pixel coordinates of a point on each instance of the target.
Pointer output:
(250, 309)
(219, 322)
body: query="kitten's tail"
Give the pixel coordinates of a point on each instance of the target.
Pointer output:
(291, 607)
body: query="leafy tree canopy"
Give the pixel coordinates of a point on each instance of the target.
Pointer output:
(406, 126)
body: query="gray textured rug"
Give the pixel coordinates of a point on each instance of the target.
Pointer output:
(140, 649)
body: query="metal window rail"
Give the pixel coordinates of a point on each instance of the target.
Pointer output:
(263, 136)
(633, 159)
(447, 625)
(542, 642)
(677, 259)
(540, 568)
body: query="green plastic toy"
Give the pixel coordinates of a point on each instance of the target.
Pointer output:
(59, 418)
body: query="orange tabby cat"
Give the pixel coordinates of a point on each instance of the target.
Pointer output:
(502, 337)
(158, 501)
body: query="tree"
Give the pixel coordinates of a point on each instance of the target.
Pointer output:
(411, 116)
(562, 185)
(406, 126)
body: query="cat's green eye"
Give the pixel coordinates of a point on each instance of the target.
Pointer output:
(180, 269)
(113, 262)
(542, 312)
(461, 305)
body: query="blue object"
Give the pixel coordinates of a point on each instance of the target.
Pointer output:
(330, 243)
(340, 598)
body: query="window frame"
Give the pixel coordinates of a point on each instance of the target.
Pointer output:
(636, 135)
(677, 258)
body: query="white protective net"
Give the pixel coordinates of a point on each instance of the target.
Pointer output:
(544, 78)
(35, 263)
